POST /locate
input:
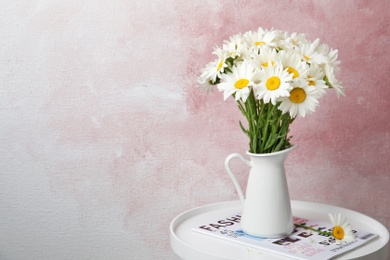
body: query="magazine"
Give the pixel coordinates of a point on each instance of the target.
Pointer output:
(302, 243)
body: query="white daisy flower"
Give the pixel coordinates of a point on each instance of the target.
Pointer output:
(292, 61)
(292, 41)
(279, 39)
(266, 55)
(332, 56)
(342, 230)
(310, 53)
(334, 83)
(301, 101)
(260, 38)
(274, 83)
(214, 69)
(238, 82)
(315, 79)
(235, 47)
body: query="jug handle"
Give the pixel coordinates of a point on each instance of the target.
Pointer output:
(236, 184)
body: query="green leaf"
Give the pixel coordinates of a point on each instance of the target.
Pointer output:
(327, 82)
(243, 129)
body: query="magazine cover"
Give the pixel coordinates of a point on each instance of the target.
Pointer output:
(302, 243)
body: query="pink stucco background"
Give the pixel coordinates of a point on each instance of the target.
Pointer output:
(104, 138)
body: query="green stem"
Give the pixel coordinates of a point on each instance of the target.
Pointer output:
(252, 119)
(267, 138)
(315, 230)
(267, 127)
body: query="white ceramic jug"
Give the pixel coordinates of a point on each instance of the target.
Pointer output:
(266, 207)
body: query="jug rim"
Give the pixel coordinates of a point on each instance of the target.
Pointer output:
(292, 147)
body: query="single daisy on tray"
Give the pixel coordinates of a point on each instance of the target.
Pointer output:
(238, 82)
(342, 230)
(274, 83)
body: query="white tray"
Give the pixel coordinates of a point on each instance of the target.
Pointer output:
(191, 245)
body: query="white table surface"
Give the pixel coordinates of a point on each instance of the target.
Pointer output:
(191, 245)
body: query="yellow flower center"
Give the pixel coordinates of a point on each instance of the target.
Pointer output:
(220, 65)
(265, 64)
(306, 57)
(311, 82)
(273, 83)
(259, 43)
(241, 83)
(297, 95)
(338, 232)
(293, 71)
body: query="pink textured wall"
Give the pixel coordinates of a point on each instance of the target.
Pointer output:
(104, 138)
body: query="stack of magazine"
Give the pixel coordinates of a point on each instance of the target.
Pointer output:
(302, 243)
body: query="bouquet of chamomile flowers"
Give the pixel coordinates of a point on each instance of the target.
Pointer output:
(274, 77)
